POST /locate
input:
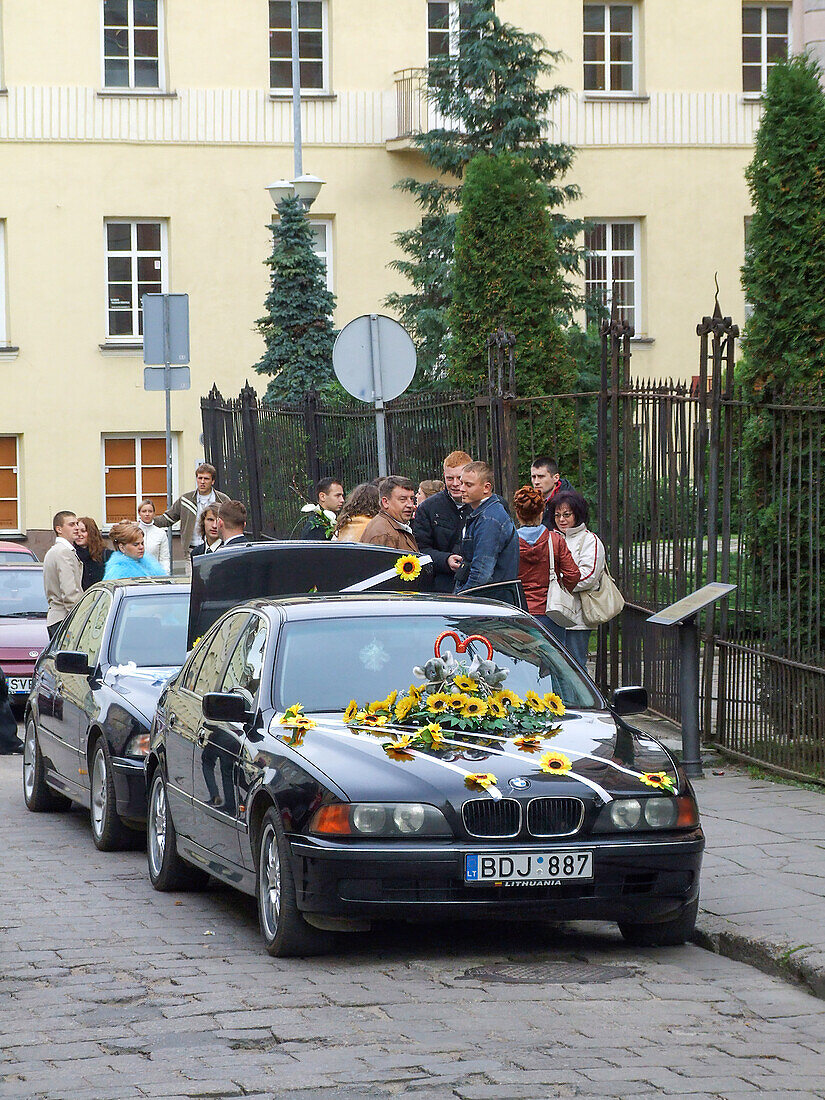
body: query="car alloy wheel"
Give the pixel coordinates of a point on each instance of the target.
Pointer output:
(37, 794)
(29, 752)
(270, 883)
(108, 831)
(167, 871)
(156, 831)
(98, 792)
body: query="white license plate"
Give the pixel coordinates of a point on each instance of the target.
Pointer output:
(522, 868)
(20, 685)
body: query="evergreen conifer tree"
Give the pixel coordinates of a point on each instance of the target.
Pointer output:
(297, 327)
(784, 270)
(497, 96)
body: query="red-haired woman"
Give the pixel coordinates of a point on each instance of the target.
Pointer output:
(535, 544)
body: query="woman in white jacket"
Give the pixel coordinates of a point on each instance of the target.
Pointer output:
(571, 514)
(155, 539)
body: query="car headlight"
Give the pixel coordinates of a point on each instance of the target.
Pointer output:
(659, 812)
(137, 745)
(380, 819)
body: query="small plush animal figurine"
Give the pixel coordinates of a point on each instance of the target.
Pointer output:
(487, 671)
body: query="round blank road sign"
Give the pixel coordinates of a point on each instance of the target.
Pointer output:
(352, 358)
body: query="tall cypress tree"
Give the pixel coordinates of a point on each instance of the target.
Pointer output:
(297, 326)
(497, 94)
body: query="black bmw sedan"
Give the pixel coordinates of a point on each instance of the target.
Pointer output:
(371, 758)
(92, 701)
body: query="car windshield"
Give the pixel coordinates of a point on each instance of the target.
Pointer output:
(21, 593)
(324, 663)
(16, 557)
(151, 630)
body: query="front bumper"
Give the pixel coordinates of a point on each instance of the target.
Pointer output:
(644, 879)
(130, 787)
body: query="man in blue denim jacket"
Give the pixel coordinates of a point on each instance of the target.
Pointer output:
(489, 544)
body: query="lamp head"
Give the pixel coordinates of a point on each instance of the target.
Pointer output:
(280, 190)
(307, 188)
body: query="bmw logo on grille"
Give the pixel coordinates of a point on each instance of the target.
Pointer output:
(519, 784)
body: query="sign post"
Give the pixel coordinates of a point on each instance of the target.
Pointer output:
(374, 360)
(166, 341)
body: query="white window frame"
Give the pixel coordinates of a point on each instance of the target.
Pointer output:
(454, 30)
(635, 44)
(4, 337)
(141, 89)
(326, 254)
(763, 43)
(609, 254)
(16, 469)
(137, 436)
(135, 337)
(325, 48)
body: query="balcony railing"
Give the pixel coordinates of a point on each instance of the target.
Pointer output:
(411, 106)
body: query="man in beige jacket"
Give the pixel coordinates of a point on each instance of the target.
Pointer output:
(391, 527)
(62, 571)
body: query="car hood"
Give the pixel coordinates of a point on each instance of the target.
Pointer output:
(140, 687)
(23, 634)
(606, 758)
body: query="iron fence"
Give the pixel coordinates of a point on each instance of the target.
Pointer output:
(683, 497)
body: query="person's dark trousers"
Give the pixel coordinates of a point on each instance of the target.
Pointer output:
(9, 741)
(437, 530)
(53, 628)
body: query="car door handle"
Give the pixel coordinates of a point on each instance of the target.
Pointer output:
(58, 685)
(173, 718)
(202, 737)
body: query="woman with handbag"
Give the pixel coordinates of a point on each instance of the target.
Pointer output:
(546, 567)
(571, 514)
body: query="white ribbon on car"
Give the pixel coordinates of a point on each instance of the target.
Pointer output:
(379, 578)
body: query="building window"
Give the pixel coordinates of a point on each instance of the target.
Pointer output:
(313, 53)
(134, 467)
(612, 267)
(131, 44)
(765, 42)
(135, 265)
(322, 246)
(610, 38)
(447, 20)
(9, 483)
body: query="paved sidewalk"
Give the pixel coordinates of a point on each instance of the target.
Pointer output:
(763, 876)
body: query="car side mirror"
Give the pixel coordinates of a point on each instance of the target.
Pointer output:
(219, 706)
(629, 700)
(68, 660)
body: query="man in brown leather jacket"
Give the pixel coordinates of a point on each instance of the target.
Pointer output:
(391, 527)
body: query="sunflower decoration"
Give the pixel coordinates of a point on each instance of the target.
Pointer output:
(408, 567)
(504, 695)
(458, 702)
(473, 708)
(374, 720)
(466, 684)
(528, 742)
(384, 705)
(660, 780)
(415, 691)
(535, 702)
(400, 748)
(351, 713)
(403, 707)
(434, 735)
(554, 704)
(438, 702)
(480, 781)
(495, 708)
(556, 763)
(293, 717)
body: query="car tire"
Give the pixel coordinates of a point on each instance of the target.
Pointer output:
(37, 794)
(167, 871)
(285, 932)
(669, 933)
(108, 831)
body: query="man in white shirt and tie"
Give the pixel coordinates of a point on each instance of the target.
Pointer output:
(62, 571)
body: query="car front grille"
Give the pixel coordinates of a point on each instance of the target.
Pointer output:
(554, 816)
(484, 817)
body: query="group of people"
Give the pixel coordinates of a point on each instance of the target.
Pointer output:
(470, 534)
(79, 558)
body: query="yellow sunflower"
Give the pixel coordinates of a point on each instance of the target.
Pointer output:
(403, 707)
(556, 763)
(438, 702)
(658, 779)
(383, 704)
(474, 708)
(457, 702)
(408, 567)
(480, 781)
(351, 711)
(375, 719)
(436, 736)
(399, 749)
(415, 691)
(554, 704)
(508, 697)
(465, 683)
(495, 708)
(535, 702)
(528, 743)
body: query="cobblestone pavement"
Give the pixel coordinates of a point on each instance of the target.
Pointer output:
(110, 990)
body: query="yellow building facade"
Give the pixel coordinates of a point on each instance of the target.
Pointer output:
(138, 137)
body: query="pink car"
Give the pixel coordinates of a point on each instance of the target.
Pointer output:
(23, 634)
